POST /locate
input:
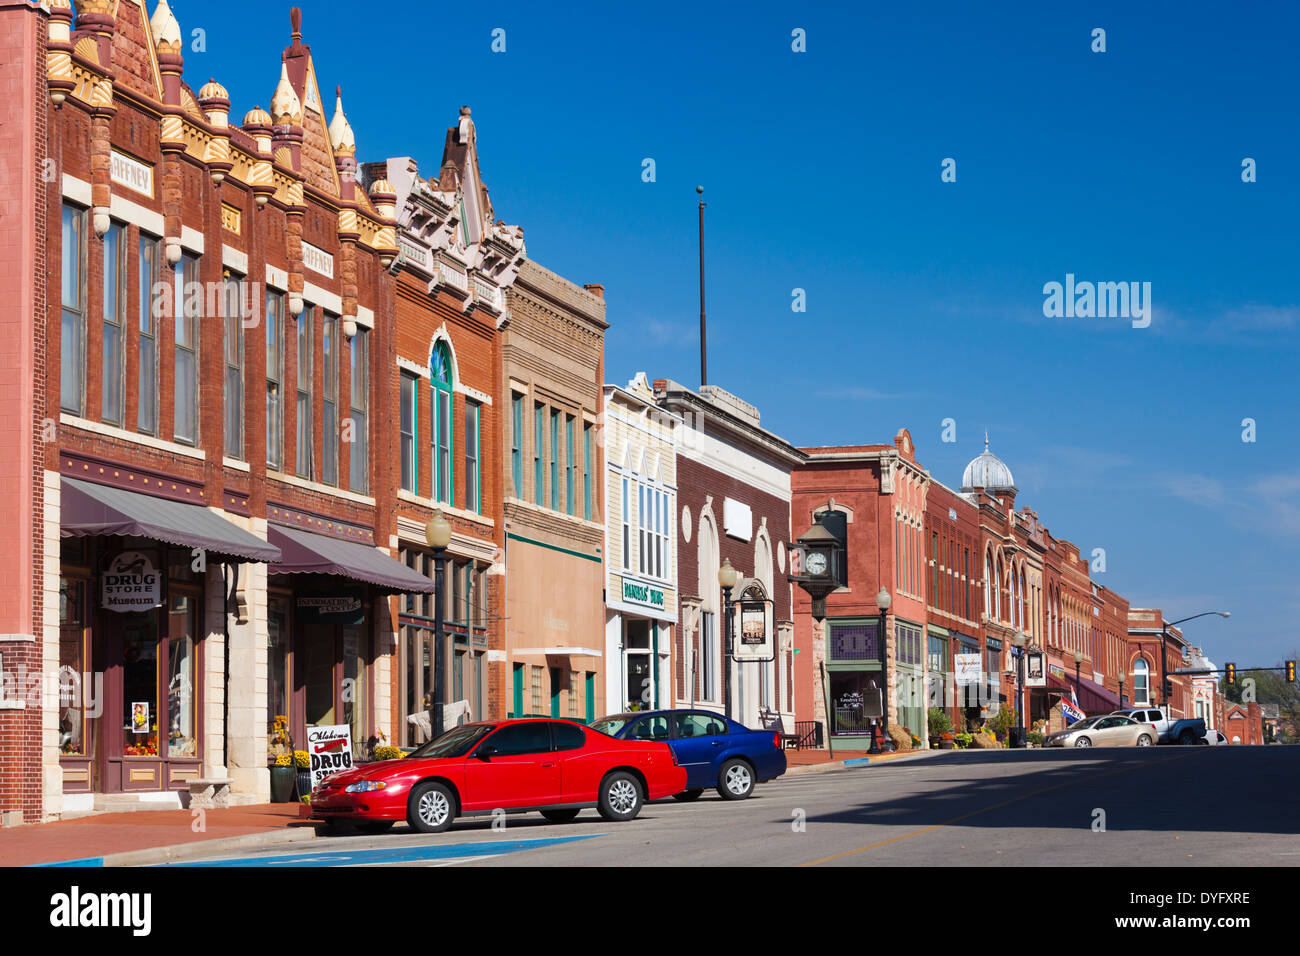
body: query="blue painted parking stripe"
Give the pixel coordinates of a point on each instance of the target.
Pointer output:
(84, 861)
(406, 854)
(857, 762)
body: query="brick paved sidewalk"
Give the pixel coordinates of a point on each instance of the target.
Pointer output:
(805, 758)
(93, 837)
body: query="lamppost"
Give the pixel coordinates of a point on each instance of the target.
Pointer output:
(1020, 640)
(1120, 676)
(1078, 659)
(883, 601)
(727, 577)
(1164, 641)
(438, 534)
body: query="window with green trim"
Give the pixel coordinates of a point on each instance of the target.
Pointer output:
(472, 477)
(555, 460)
(539, 484)
(586, 471)
(570, 465)
(517, 443)
(409, 426)
(440, 393)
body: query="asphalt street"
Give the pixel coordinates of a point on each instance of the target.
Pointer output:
(1157, 806)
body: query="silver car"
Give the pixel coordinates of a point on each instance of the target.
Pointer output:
(1104, 732)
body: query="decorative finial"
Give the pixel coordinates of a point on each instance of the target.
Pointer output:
(295, 22)
(986, 439)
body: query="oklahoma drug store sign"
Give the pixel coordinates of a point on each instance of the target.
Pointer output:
(131, 583)
(330, 749)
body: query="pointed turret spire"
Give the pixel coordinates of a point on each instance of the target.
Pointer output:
(341, 137)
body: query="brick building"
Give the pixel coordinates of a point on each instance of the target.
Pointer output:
(733, 493)
(455, 264)
(553, 463)
(211, 560)
(1143, 660)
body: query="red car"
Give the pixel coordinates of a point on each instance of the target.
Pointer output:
(555, 766)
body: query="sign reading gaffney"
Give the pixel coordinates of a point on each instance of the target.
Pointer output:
(131, 583)
(330, 749)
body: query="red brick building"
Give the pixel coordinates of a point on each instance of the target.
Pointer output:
(1243, 724)
(210, 508)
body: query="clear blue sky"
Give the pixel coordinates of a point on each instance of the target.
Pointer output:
(924, 299)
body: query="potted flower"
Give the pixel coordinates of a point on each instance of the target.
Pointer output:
(947, 741)
(940, 724)
(282, 779)
(303, 765)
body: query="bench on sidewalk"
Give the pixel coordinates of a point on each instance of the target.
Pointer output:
(773, 721)
(210, 794)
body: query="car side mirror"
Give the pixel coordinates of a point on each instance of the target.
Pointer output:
(485, 752)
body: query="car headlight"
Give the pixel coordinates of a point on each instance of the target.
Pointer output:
(365, 786)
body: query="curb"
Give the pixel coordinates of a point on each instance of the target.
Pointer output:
(855, 762)
(190, 851)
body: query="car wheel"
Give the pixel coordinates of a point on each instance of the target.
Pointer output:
(1083, 742)
(1186, 737)
(431, 808)
(373, 827)
(560, 816)
(688, 795)
(1144, 740)
(735, 780)
(620, 797)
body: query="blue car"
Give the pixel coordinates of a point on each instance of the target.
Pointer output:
(714, 750)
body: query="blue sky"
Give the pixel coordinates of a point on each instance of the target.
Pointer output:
(924, 298)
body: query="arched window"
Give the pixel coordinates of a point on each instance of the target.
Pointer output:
(1141, 683)
(988, 585)
(440, 378)
(1015, 593)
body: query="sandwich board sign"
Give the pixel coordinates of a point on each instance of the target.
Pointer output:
(330, 750)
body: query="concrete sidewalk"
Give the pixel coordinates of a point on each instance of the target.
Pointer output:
(141, 837)
(812, 761)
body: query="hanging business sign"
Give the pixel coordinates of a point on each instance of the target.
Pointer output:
(131, 583)
(330, 750)
(755, 640)
(330, 605)
(1035, 674)
(967, 668)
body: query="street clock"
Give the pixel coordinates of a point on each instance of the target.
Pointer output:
(822, 560)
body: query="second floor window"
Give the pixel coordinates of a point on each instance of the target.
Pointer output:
(233, 367)
(517, 443)
(114, 306)
(539, 481)
(409, 427)
(330, 396)
(304, 430)
(185, 424)
(358, 479)
(146, 414)
(555, 460)
(570, 464)
(440, 380)
(586, 471)
(72, 329)
(472, 478)
(274, 380)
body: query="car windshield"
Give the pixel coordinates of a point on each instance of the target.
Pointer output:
(610, 726)
(1084, 724)
(456, 742)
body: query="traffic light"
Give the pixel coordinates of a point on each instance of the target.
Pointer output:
(1290, 672)
(1230, 674)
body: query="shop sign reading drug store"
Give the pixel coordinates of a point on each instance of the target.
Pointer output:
(330, 749)
(131, 583)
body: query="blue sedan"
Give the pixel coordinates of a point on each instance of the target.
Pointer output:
(714, 750)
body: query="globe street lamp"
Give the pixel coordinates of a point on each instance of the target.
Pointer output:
(1164, 640)
(1120, 676)
(438, 534)
(1078, 659)
(883, 601)
(727, 578)
(1020, 640)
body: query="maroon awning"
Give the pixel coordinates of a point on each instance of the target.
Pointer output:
(302, 552)
(89, 509)
(1093, 698)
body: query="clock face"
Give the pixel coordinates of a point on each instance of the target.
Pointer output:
(815, 563)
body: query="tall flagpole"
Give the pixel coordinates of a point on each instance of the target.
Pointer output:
(704, 338)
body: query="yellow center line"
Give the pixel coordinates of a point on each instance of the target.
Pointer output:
(974, 813)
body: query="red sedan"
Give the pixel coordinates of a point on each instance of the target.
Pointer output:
(554, 766)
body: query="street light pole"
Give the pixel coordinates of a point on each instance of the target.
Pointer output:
(438, 535)
(1164, 641)
(882, 602)
(727, 577)
(1019, 642)
(1120, 676)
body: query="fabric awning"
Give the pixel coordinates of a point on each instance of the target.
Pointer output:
(304, 552)
(98, 509)
(1093, 698)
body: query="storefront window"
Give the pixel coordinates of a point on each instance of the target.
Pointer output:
(140, 683)
(355, 711)
(181, 739)
(277, 668)
(72, 666)
(855, 698)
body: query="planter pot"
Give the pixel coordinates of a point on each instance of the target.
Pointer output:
(934, 743)
(948, 744)
(282, 784)
(304, 783)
